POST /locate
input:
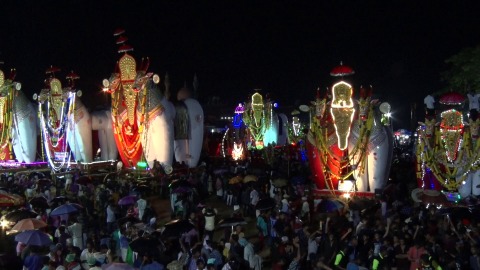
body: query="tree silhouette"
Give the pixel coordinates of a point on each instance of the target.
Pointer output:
(464, 72)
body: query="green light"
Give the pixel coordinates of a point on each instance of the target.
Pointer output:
(142, 164)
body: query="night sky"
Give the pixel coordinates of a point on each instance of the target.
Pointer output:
(285, 48)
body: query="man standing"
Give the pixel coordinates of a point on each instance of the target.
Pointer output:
(254, 198)
(110, 217)
(77, 232)
(141, 205)
(209, 214)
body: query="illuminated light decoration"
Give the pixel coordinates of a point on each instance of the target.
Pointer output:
(451, 130)
(142, 164)
(223, 142)
(239, 109)
(129, 114)
(449, 156)
(56, 107)
(237, 151)
(6, 116)
(238, 117)
(258, 119)
(342, 112)
(346, 185)
(362, 133)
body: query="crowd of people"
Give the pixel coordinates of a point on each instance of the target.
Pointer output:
(294, 230)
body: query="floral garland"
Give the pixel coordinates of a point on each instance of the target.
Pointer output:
(357, 155)
(258, 127)
(6, 106)
(56, 133)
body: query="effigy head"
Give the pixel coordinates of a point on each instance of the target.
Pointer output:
(2, 78)
(451, 130)
(342, 112)
(257, 107)
(474, 127)
(364, 104)
(429, 125)
(128, 73)
(56, 94)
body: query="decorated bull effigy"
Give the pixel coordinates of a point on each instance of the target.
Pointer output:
(349, 143)
(448, 148)
(129, 89)
(18, 122)
(56, 107)
(146, 125)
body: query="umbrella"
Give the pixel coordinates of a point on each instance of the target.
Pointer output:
(127, 200)
(280, 182)
(117, 266)
(33, 237)
(179, 183)
(329, 206)
(39, 202)
(7, 199)
(144, 245)
(358, 203)
(341, 70)
(428, 196)
(456, 212)
(250, 178)
(18, 215)
(452, 98)
(59, 199)
(177, 227)
(220, 171)
(415, 194)
(181, 190)
(265, 204)
(65, 209)
(29, 224)
(231, 221)
(141, 188)
(235, 180)
(83, 180)
(126, 219)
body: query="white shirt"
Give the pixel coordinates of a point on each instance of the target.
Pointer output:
(254, 197)
(312, 247)
(209, 220)
(141, 204)
(248, 254)
(110, 214)
(429, 101)
(305, 208)
(76, 231)
(84, 257)
(473, 101)
(285, 206)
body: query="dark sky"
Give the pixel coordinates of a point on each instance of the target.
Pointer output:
(284, 47)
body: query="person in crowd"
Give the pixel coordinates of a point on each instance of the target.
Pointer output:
(76, 230)
(209, 215)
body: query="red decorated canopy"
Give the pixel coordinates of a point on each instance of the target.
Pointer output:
(452, 98)
(342, 70)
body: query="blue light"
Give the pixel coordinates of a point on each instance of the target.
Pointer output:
(237, 121)
(275, 105)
